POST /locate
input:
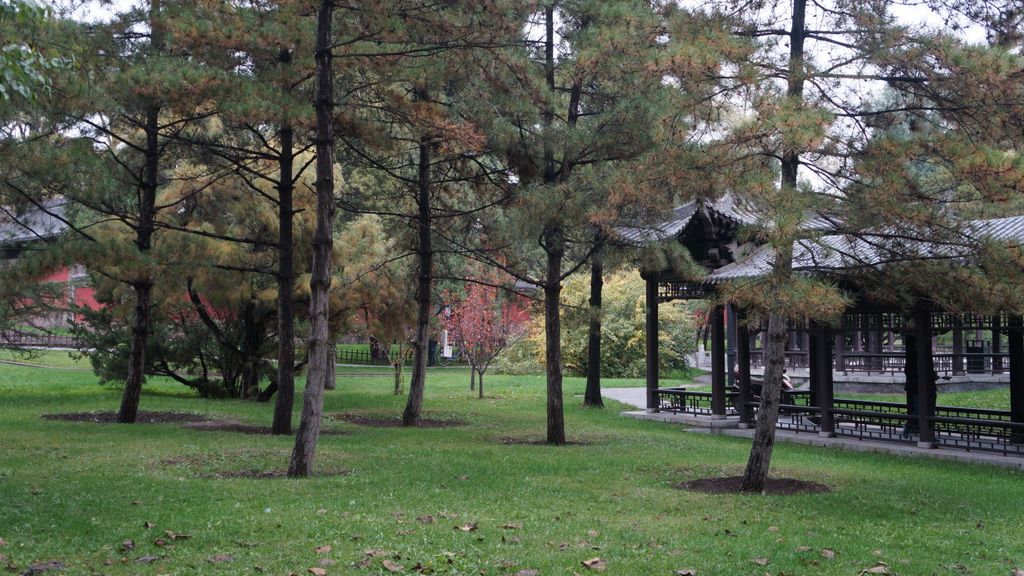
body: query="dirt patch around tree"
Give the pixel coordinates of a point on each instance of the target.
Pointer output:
(513, 441)
(143, 417)
(228, 425)
(774, 486)
(248, 463)
(392, 421)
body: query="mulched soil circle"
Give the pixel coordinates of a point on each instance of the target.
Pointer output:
(271, 474)
(236, 426)
(143, 417)
(774, 486)
(513, 441)
(394, 421)
(245, 463)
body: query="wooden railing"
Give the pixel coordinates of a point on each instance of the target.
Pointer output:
(22, 339)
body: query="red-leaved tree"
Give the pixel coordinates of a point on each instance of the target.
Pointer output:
(483, 323)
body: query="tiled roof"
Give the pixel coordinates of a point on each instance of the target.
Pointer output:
(835, 253)
(33, 224)
(727, 206)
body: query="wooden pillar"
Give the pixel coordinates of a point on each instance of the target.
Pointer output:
(958, 345)
(997, 345)
(651, 328)
(730, 351)
(840, 347)
(743, 363)
(823, 395)
(717, 361)
(925, 384)
(814, 361)
(1015, 344)
(875, 342)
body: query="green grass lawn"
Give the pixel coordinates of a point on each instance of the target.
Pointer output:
(461, 501)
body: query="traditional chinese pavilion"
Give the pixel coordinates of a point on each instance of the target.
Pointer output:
(871, 337)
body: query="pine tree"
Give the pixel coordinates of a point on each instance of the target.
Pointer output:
(602, 88)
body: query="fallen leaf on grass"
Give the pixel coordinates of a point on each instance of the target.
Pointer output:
(761, 561)
(147, 559)
(1017, 572)
(318, 571)
(375, 552)
(773, 528)
(512, 526)
(803, 548)
(593, 533)
(127, 545)
(175, 536)
(529, 572)
(3, 542)
(160, 542)
(685, 572)
(595, 564)
(40, 567)
(828, 553)
(879, 568)
(391, 566)
(148, 525)
(322, 549)
(220, 558)
(469, 527)
(406, 532)
(327, 562)
(876, 552)
(425, 519)
(136, 502)
(321, 511)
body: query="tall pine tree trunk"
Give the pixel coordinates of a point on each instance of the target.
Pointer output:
(332, 366)
(756, 474)
(398, 378)
(554, 246)
(592, 395)
(144, 229)
(137, 355)
(285, 286)
(425, 254)
(301, 464)
(553, 336)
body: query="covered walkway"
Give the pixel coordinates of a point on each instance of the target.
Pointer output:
(636, 398)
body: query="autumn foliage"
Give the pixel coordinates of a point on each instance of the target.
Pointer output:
(483, 323)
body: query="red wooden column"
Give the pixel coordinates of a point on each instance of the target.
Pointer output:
(717, 361)
(1015, 344)
(743, 364)
(925, 384)
(651, 329)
